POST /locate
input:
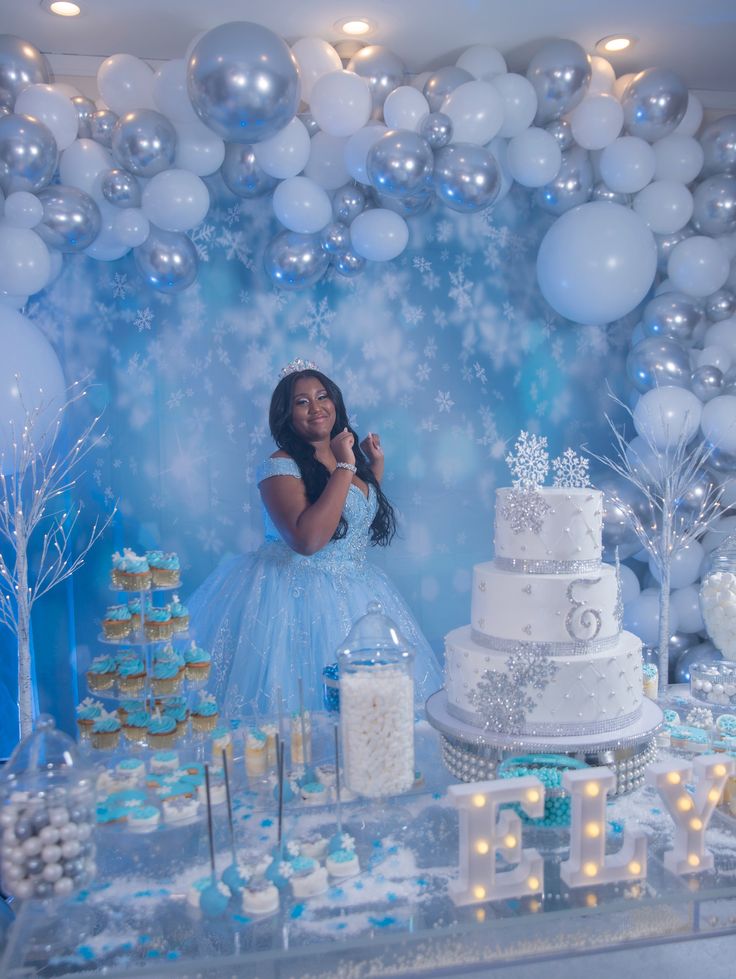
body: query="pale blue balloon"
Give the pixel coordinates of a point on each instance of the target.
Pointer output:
(144, 142)
(466, 177)
(28, 154)
(400, 163)
(295, 261)
(167, 260)
(85, 110)
(71, 218)
(242, 173)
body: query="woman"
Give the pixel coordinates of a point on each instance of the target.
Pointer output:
(278, 615)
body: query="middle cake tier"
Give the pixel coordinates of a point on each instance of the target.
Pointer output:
(552, 608)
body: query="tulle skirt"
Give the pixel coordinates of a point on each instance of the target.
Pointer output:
(272, 617)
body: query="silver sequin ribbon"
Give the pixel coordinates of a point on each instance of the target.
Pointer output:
(551, 729)
(584, 647)
(529, 566)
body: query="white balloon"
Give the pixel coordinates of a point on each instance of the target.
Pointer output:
(285, 154)
(51, 108)
(684, 567)
(23, 209)
(519, 103)
(131, 226)
(25, 265)
(665, 415)
(646, 463)
(482, 61)
(698, 266)
(630, 587)
(170, 95)
(719, 533)
(690, 122)
(64, 89)
(714, 356)
(125, 83)
(722, 334)
(302, 205)
(677, 157)
(686, 603)
(405, 108)
(534, 157)
(198, 149)
(728, 490)
(175, 200)
(665, 205)
(357, 148)
(379, 234)
(641, 616)
(326, 163)
(627, 164)
(602, 76)
(476, 111)
(341, 103)
(419, 81)
(81, 163)
(719, 422)
(597, 121)
(315, 58)
(621, 83)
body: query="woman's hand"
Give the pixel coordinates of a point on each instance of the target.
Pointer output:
(371, 446)
(342, 447)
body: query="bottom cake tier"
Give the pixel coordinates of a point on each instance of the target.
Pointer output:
(530, 690)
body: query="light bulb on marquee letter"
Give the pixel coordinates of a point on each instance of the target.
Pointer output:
(484, 832)
(691, 813)
(588, 862)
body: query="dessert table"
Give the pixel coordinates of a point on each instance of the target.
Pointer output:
(394, 918)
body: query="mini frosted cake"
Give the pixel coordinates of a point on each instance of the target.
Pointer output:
(117, 622)
(222, 741)
(342, 863)
(174, 708)
(164, 761)
(650, 680)
(130, 571)
(260, 897)
(165, 570)
(308, 878)
(131, 769)
(255, 752)
(179, 615)
(143, 819)
(180, 809)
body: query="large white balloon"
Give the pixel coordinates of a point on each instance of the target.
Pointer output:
(519, 103)
(198, 149)
(357, 148)
(719, 423)
(627, 164)
(684, 567)
(405, 108)
(175, 200)
(52, 109)
(690, 122)
(663, 416)
(597, 262)
(698, 266)
(302, 205)
(686, 603)
(534, 157)
(597, 121)
(630, 587)
(621, 84)
(482, 61)
(25, 266)
(722, 334)
(665, 205)
(125, 83)
(677, 157)
(341, 103)
(326, 163)
(81, 164)
(379, 235)
(170, 94)
(315, 58)
(476, 112)
(602, 76)
(285, 154)
(23, 209)
(641, 616)
(131, 226)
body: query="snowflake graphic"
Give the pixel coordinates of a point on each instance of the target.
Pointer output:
(430, 349)
(235, 247)
(412, 315)
(505, 699)
(525, 509)
(480, 372)
(423, 372)
(431, 281)
(428, 425)
(443, 401)
(460, 291)
(571, 470)
(120, 285)
(202, 237)
(529, 463)
(421, 264)
(232, 215)
(143, 319)
(317, 319)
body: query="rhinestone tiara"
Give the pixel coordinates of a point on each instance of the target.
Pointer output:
(294, 366)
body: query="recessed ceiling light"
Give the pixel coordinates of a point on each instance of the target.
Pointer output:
(62, 8)
(355, 26)
(615, 42)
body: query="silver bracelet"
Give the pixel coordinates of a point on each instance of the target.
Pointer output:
(346, 465)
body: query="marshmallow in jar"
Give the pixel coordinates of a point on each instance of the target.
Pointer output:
(47, 815)
(718, 598)
(377, 706)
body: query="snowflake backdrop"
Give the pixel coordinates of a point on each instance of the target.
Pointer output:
(447, 352)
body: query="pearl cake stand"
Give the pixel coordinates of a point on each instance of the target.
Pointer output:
(472, 754)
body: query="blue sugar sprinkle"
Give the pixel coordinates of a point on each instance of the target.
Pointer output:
(392, 897)
(266, 822)
(172, 955)
(382, 922)
(243, 919)
(297, 911)
(143, 894)
(126, 947)
(152, 953)
(340, 925)
(392, 849)
(377, 844)
(359, 885)
(436, 795)
(514, 904)
(617, 828)
(86, 953)
(144, 939)
(421, 882)
(335, 893)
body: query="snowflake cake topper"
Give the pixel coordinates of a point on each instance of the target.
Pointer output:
(571, 470)
(297, 365)
(529, 463)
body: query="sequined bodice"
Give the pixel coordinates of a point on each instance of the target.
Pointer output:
(338, 555)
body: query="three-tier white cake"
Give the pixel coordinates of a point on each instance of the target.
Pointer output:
(544, 655)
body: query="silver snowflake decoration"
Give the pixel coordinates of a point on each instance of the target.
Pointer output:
(505, 699)
(529, 462)
(529, 666)
(571, 470)
(525, 509)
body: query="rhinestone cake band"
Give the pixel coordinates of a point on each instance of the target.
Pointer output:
(550, 729)
(585, 647)
(546, 567)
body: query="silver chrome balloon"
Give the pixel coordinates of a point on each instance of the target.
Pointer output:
(101, 126)
(706, 382)
(562, 132)
(28, 154)
(658, 362)
(673, 315)
(243, 82)
(167, 260)
(698, 492)
(654, 103)
(295, 261)
(21, 65)
(349, 264)
(718, 140)
(85, 110)
(560, 74)
(601, 192)
(665, 244)
(120, 188)
(443, 81)
(714, 205)
(144, 142)
(685, 651)
(721, 305)
(400, 163)
(71, 218)
(335, 238)
(242, 173)
(310, 123)
(573, 184)
(466, 177)
(407, 207)
(348, 203)
(382, 69)
(436, 128)
(718, 460)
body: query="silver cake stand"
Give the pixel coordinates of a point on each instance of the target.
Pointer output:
(471, 754)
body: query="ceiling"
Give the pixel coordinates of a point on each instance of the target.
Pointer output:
(696, 39)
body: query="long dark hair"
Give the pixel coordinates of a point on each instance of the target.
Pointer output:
(314, 474)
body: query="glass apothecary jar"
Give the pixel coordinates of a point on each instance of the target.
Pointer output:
(47, 815)
(718, 598)
(376, 666)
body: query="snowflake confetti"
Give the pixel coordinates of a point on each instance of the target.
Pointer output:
(529, 462)
(571, 470)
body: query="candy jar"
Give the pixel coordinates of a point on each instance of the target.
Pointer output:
(47, 813)
(718, 597)
(377, 706)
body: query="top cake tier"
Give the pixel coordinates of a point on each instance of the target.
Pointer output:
(534, 531)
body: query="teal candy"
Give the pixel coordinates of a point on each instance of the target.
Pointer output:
(212, 902)
(548, 769)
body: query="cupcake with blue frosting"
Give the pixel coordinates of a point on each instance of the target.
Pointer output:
(165, 569)
(179, 614)
(105, 731)
(157, 623)
(198, 662)
(117, 622)
(131, 571)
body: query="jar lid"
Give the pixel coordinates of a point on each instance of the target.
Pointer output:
(46, 756)
(375, 636)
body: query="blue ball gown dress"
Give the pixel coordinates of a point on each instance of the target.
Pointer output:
(274, 616)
